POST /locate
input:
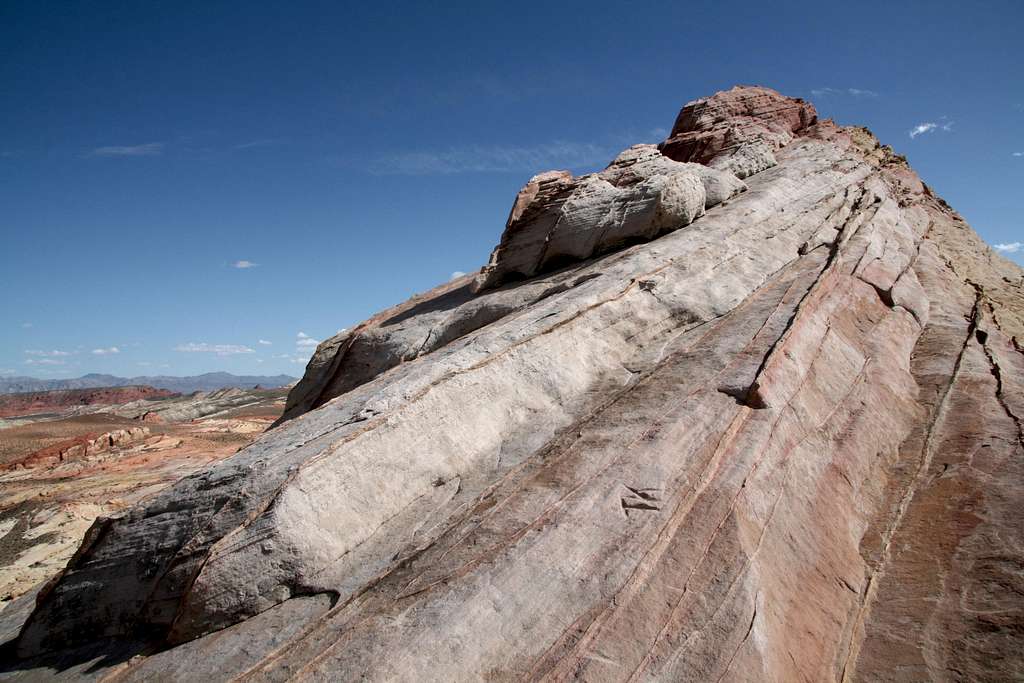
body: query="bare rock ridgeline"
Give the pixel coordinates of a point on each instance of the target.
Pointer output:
(742, 406)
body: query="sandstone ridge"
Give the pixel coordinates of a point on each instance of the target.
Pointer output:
(745, 405)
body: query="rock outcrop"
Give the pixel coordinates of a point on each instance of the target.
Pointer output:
(738, 130)
(774, 435)
(89, 446)
(193, 407)
(557, 219)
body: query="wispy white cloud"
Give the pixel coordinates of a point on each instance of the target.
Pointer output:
(455, 275)
(26, 326)
(219, 349)
(244, 264)
(921, 129)
(304, 348)
(852, 92)
(298, 358)
(930, 127)
(150, 149)
(264, 342)
(6, 371)
(491, 158)
(49, 354)
(44, 361)
(266, 142)
(304, 341)
(1018, 154)
(1009, 247)
(107, 351)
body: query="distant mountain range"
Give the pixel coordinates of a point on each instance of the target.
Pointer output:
(183, 385)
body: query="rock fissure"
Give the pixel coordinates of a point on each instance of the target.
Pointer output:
(999, 391)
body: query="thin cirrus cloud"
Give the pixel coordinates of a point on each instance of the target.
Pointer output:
(264, 342)
(55, 353)
(266, 142)
(1009, 247)
(930, 127)
(298, 359)
(1018, 154)
(219, 349)
(304, 346)
(243, 264)
(304, 341)
(921, 129)
(44, 361)
(492, 159)
(150, 149)
(852, 92)
(106, 351)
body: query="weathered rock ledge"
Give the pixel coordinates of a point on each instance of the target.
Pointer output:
(88, 446)
(772, 435)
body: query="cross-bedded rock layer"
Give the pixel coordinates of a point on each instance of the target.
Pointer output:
(778, 438)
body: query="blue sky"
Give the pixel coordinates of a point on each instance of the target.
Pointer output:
(353, 154)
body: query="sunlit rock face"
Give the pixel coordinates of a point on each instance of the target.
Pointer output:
(742, 406)
(557, 219)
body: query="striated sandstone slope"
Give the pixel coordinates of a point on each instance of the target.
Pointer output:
(778, 438)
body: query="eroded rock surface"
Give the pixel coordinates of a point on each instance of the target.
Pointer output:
(82, 447)
(777, 438)
(557, 219)
(738, 129)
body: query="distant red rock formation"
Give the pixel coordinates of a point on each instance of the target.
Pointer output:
(86, 445)
(46, 401)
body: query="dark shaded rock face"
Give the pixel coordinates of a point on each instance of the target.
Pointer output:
(682, 426)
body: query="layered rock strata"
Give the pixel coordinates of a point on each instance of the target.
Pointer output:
(780, 440)
(83, 447)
